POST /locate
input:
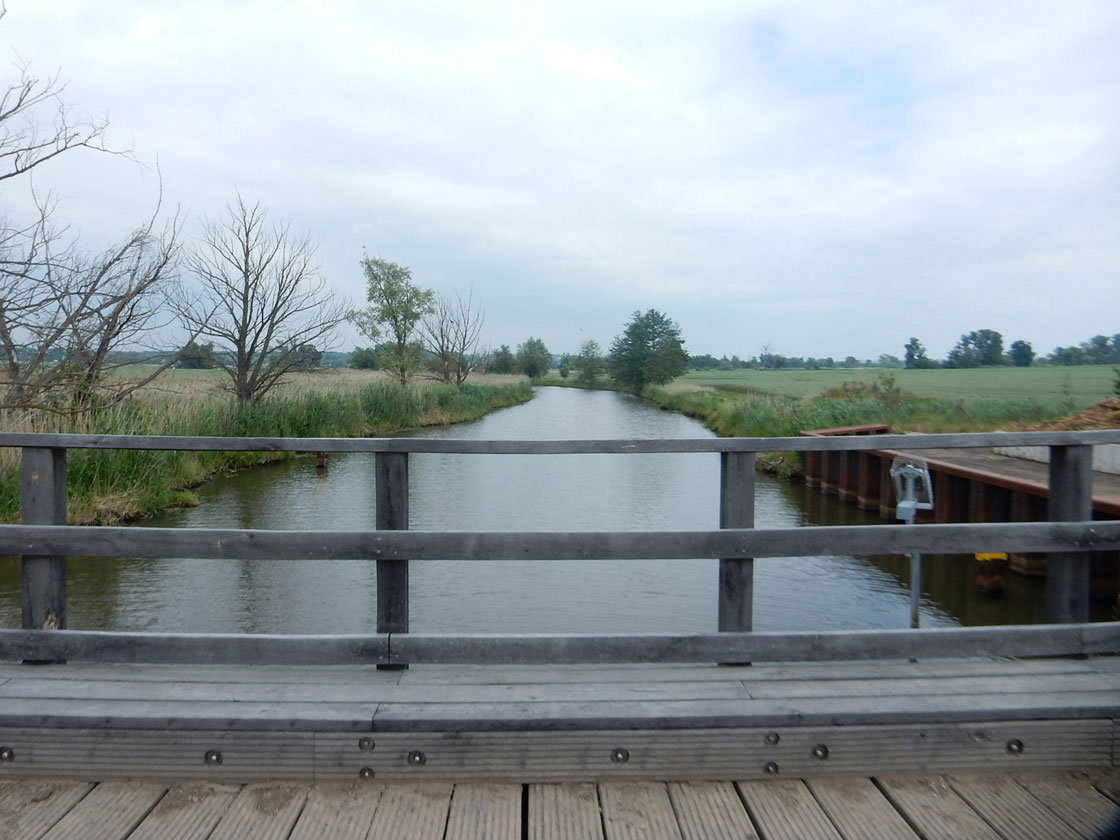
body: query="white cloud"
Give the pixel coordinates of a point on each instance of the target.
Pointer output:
(810, 174)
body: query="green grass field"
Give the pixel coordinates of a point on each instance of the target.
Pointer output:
(1076, 386)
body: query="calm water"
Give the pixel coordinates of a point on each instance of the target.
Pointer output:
(516, 492)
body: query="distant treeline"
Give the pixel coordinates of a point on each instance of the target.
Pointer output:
(980, 348)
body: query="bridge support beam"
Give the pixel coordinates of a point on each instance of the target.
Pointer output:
(44, 503)
(391, 469)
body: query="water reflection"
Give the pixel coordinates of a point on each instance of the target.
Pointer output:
(508, 492)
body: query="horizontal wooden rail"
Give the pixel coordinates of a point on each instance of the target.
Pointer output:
(562, 447)
(438, 649)
(79, 541)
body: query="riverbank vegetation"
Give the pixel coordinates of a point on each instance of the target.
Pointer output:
(114, 485)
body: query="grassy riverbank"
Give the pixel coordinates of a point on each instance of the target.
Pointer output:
(111, 485)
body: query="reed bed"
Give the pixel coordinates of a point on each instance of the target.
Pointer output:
(116, 485)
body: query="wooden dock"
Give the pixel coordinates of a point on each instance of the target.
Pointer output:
(989, 732)
(1050, 806)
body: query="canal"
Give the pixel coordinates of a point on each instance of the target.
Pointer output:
(517, 492)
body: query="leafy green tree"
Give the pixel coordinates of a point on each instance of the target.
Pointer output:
(533, 358)
(649, 352)
(915, 357)
(1021, 353)
(195, 356)
(590, 362)
(308, 356)
(396, 306)
(364, 358)
(565, 370)
(503, 361)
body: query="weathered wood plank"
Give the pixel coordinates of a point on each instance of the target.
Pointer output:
(562, 447)
(637, 811)
(262, 812)
(187, 812)
(485, 812)
(859, 810)
(193, 648)
(110, 812)
(392, 515)
(825, 541)
(736, 510)
(1070, 500)
(1010, 809)
(710, 811)
(1073, 798)
(564, 812)
(43, 572)
(930, 805)
(924, 687)
(786, 810)
(30, 809)
(1028, 640)
(338, 812)
(417, 811)
(416, 648)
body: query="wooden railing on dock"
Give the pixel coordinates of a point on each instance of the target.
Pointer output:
(44, 541)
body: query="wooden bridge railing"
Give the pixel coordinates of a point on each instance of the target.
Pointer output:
(45, 541)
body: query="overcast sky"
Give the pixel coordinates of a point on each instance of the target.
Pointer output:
(822, 178)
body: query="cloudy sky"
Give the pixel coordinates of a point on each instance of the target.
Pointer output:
(817, 177)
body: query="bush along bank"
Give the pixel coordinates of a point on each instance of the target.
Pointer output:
(106, 486)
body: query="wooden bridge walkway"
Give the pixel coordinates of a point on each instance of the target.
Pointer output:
(991, 732)
(1051, 806)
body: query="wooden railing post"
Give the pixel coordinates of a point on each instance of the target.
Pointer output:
(736, 510)
(391, 477)
(1071, 500)
(43, 503)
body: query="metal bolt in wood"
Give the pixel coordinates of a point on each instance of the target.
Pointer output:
(365, 744)
(820, 751)
(620, 755)
(213, 757)
(417, 758)
(7, 754)
(1015, 746)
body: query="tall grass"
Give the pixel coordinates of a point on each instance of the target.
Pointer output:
(743, 412)
(112, 485)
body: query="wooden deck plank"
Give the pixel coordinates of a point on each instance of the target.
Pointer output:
(1072, 797)
(637, 811)
(859, 810)
(1010, 809)
(263, 812)
(710, 811)
(564, 812)
(485, 812)
(110, 812)
(337, 811)
(786, 810)
(187, 812)
(29, 809)
(924, 687)
(418, 812)
(930, 805)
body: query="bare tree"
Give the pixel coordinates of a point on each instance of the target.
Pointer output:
(64, 313)
(450, 333)
(261, 299)
(24, 142)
